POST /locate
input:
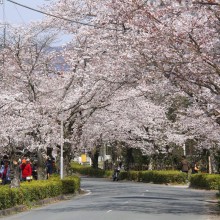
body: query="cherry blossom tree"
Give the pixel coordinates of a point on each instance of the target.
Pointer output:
(26, 104)
(137, 42)
(124, 76)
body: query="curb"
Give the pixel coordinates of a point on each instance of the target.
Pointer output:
(13, 210)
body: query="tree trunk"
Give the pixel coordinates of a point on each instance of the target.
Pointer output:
(95, 157)
(15, 177)
(41, 166)
(129, 158)
(210, 164)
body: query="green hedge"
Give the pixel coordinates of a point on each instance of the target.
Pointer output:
(154, 176)
(70, 185)
(140, 176)
(205, 181)
(200, 181)
(89, 171)
(37, 190)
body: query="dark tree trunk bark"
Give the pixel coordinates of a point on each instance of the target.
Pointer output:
(15, 175)
(129, 158)
(95, 157)
(41, 166)
(95, 162)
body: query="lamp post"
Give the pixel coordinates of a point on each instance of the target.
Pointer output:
(184, 149)
(61, 149)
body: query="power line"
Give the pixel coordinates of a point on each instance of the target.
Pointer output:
(19, 14)
(2, 46)
(4, 23)
(62, 18)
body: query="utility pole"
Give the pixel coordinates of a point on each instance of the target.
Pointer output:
(3, 25)
(184, 149)
(61, 147)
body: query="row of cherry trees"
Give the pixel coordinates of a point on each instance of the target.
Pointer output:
(145, 73)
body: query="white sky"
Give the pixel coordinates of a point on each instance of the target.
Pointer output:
(15, 14)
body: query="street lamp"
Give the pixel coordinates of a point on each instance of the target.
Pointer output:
(61, 148)
(184, 149)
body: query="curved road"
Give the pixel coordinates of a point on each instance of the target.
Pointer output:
(107, 200)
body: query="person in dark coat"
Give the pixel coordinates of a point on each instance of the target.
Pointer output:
(185, 165)
(34, 171)
(5, 173)
(49, 168)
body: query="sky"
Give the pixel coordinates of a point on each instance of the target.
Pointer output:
(15, 15)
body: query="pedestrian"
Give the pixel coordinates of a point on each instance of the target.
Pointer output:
(54, 167)
(185, 165)
(22, 166)
(34, 171)
(19, 169)
(195, 167)
(116, 173)
(5, 173)
(26, 170)
(49, 167)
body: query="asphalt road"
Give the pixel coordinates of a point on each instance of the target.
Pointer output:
(107, 200)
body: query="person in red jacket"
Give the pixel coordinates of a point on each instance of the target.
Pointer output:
(26, 170)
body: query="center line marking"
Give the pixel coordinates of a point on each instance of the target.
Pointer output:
(109, 211)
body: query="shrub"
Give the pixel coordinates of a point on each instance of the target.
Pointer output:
(37, 190)
(5, 197)
(108, 173)
(205, 181)
(123, 175)
(70, 185)
(89, 171)
(140, 176)
(146, 176)
(155, 176)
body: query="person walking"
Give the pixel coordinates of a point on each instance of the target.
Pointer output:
(195, 168)
(26, 170)
(49, 167)
(185, 165)
(34, 171)
(116, 172)
(5, 173)
(54, 167)
(21, 168)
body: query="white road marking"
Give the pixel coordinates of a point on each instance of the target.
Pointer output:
(109, 211)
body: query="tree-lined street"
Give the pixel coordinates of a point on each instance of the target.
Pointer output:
(137, 84)
(137, 74)
(127, 200)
